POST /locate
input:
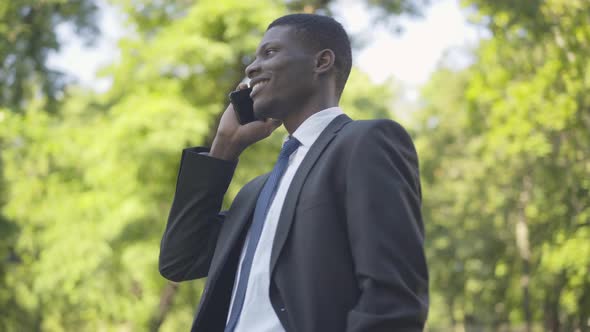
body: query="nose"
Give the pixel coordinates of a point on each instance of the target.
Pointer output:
(253, 69)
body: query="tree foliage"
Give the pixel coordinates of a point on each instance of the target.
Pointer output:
(89, 188)
(506, 158)
(87, 183)
(28, 33)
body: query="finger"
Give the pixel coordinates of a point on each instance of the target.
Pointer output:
(275, 123)
(263, 128)
(272, 125)
(242, 86)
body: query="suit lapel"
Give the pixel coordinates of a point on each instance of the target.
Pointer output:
(288, 211)
(236, 219)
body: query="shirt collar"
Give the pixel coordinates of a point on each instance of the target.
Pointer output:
(312, 127)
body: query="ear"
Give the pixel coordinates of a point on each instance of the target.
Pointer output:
(324, 61)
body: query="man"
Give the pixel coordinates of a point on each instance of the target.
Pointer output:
(332, 238)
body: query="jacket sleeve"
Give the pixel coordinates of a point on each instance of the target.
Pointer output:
(194, 222)
(383, 210)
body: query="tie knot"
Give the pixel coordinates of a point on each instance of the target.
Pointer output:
(289, 147)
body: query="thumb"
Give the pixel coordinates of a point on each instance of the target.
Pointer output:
(272, 124)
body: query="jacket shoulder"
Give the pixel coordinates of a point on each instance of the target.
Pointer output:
(363, 129)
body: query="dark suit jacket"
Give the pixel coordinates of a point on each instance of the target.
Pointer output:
(348, 251)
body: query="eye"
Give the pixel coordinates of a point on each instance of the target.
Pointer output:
(269, 51)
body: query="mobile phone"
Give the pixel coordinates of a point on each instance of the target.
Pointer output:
(243, 105)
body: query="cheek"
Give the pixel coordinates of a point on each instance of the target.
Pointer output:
(294, 78)
(292, 68)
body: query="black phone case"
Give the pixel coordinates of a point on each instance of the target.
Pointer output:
(243, 105)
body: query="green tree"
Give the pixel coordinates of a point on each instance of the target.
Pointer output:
(90, 186)
(28, 34)
(504, 146)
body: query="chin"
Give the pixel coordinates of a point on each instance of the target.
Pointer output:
(264, 110)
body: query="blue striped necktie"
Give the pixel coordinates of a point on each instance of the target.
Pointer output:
(264, 199)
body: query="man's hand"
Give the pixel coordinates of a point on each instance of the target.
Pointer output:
(232, 138)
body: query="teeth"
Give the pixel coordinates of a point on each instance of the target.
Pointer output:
(257, 87)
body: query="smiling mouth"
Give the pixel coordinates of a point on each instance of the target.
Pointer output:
(257, 87)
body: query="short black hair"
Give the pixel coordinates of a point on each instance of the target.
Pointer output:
(321, 32)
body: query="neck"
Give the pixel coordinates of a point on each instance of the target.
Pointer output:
(295, 119)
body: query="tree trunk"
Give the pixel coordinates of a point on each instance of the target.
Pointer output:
(551, 310)
(166, 300)
(522, 243)
(552, 319)
(584, 305)
(452, 313)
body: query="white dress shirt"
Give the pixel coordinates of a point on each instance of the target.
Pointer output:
(257, 312)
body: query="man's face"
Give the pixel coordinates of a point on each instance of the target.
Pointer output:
(282, 74)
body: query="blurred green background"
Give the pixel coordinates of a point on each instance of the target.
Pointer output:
(87, 178)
